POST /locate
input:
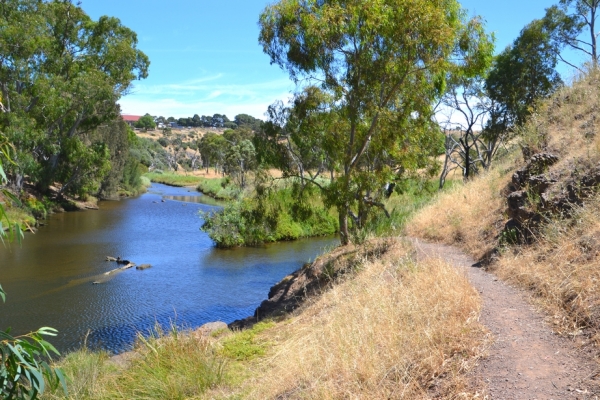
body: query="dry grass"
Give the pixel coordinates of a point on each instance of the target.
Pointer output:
(567, 124)
(397, 330)
(468, 215)
(563, 270)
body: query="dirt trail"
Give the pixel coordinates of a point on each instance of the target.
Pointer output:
(526, 360)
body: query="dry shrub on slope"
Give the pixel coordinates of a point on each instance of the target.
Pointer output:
(397, 330)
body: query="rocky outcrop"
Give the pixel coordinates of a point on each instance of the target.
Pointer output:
(537, 191)
(293, 290)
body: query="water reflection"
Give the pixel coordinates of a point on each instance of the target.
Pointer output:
(49, 278)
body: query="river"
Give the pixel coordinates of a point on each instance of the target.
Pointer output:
(49, 278)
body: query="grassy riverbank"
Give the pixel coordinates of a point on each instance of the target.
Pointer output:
(173, 179)
(274, 216)
(397, 326)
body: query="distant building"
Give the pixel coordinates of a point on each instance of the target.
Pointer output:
(131, 119)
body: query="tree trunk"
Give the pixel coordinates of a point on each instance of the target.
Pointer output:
(343, 217)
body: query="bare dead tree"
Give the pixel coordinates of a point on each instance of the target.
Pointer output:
(470, 145)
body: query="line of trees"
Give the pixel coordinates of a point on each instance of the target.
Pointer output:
(480, 113)
(214, 121)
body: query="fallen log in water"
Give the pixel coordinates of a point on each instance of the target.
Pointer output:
(130, 265)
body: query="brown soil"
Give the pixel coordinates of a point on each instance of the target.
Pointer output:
(526, 359)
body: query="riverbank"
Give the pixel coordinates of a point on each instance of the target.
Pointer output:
(33, 207)
(411, 324)
(212, 185)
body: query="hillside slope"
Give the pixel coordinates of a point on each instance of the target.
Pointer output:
(534, 219)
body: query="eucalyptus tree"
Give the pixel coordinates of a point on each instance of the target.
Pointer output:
(376, 68)
(61, 75)
(523, 73)
(569, 22)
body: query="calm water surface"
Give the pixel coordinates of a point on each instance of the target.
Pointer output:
(49, 278)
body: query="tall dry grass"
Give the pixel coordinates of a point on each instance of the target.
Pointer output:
(398, 330)
(563, 270)
(467, 215)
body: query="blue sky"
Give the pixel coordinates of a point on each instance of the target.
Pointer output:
(205, 57)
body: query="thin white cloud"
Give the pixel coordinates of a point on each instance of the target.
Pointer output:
(256, 106)
(206, 96)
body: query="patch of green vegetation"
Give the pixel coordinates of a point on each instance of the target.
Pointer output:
(219, 188)
(246, 345)
(20, 216)
(173, 179)
(270, 216)
(167, 365)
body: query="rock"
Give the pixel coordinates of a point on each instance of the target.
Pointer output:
(122, 261)
(538, 184)
(143, 266)
(109, 258)
(210, 328)
(95, 283)
(163, 200)
(536, 165)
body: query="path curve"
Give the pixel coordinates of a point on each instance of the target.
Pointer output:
(526, 359)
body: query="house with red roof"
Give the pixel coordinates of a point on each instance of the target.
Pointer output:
(131, 119)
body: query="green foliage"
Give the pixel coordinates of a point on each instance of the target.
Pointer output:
(273, 215)
(173, 179)
(149, 153)
(146, 122)
(219, 188)
(246, 345)
(22, 364)
(59, 84)
(523, 73)
(365, 113)
(568, 21)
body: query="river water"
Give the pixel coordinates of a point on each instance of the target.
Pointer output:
(49, 278)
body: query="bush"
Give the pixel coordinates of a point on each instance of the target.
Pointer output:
(272, 216)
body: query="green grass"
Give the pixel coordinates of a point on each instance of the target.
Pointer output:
(173, 365)
(245, 345)
(275, 216)
(218, 188)
(173, 179)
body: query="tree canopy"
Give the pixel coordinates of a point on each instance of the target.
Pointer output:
(146, 122)
(368, 73)
(524, 72)
(61, 75)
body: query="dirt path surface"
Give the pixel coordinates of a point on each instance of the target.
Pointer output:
(526, 360)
